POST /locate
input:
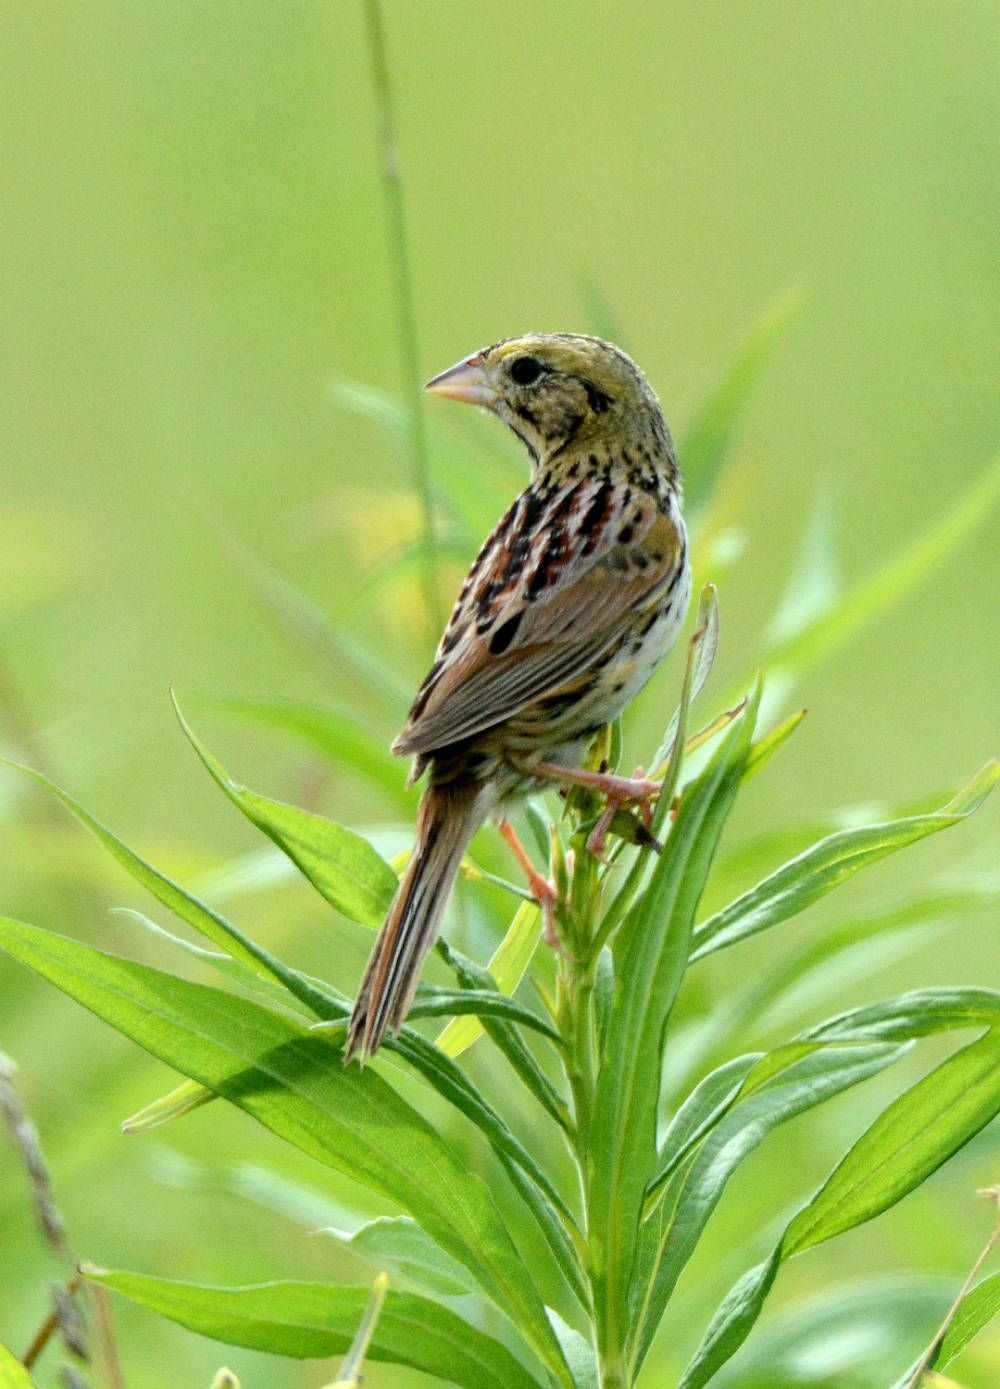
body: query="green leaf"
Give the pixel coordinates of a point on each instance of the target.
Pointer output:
(911, 1139)
(919, 1013)
(342, 740)
(871, 597)
(507, 966)
(710, 1100)
(398, 1244)
(809, 967)
(763, 749)
(203, 918)
(815, 586)
(728, 1117)
(13, 1375)
(817, 871)
(343, 867)
(506, 1037)
(311, 627)
(732, 1323)
(550, 1211)
(650, 955)
(234, 970)
(707, 441)
(436, 1068)
(183, 1100)
(579, 1353)
(317, 1320)
(842, 1339)
(292, 1081)
(434, 1002)
(976, 1310)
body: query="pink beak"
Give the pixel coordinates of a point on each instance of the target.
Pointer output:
(466, 381)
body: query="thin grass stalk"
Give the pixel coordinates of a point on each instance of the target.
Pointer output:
(402, 288)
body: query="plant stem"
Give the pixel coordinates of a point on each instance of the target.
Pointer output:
(578, 917)
(392, 184)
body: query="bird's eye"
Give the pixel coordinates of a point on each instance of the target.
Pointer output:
(525, 370)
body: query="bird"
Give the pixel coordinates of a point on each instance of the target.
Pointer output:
(573, 601)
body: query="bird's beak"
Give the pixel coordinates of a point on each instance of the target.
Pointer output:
(466, 381)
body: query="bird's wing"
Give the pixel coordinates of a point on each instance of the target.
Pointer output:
(546, 597)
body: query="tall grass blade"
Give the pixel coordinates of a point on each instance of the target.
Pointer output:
(406, 320)
(706, 442)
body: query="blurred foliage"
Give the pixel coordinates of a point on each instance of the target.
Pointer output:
(194, 261)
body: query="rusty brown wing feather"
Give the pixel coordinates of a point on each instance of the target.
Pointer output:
(549, 592)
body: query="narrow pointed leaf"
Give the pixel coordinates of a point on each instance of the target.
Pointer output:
(817, 871)
(976, 1310)
(919, 1013)
(196, 913)
(434, 1002)
(341, 739)
(293, 1082)
(579, 1353)
(318, 1320)
(341, 865)
(879, 592)
(727, 1135)
(650, 954)
(397, 1243)
(911, 1139)
(183, 1100)
(732, 1323)
(707, 441)
(434, 1066)
(507, 966)
(764, 748)
(506, 1037)
(234, 970)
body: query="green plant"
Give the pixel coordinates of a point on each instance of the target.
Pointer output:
(651, 1152)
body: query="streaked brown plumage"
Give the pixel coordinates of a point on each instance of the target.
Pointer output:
(571, 604)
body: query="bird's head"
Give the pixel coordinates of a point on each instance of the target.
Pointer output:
(561, 394)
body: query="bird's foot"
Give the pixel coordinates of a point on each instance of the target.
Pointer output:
(635, 790)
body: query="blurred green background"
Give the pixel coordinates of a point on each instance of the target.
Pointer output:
(194, 256)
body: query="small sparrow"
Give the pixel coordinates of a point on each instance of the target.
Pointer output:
(571, 604)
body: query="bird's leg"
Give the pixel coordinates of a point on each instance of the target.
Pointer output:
(543, 891)
(617, 790)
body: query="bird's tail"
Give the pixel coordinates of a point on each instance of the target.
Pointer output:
(447, 819)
